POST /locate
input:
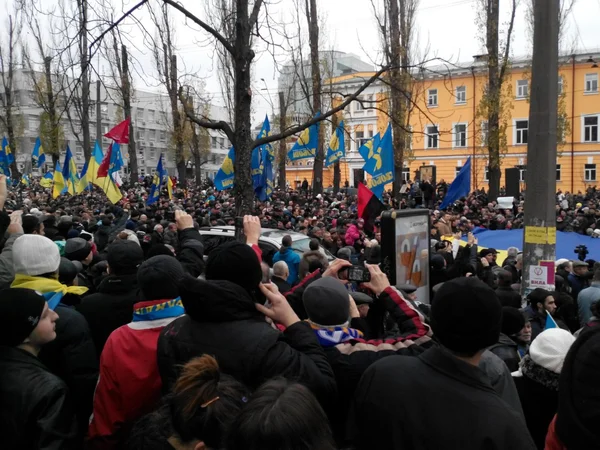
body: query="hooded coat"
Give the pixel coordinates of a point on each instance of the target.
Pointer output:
(221, 320)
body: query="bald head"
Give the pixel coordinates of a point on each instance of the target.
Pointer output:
(280, 269)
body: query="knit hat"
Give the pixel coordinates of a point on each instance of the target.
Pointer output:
(68, 270)
(235, 262)
(550, 348)
(21, 310)
(487, 251)
(513, 321)
(466, 315)
(124, 257)
(77, 249)
(326, 302)
(158, 277)
(35, 255)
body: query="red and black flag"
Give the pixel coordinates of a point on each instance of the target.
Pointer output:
(369, 206)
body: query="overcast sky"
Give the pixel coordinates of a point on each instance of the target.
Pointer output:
(447, 27)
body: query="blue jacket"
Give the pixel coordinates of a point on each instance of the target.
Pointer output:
(586, 299)
(292, 259)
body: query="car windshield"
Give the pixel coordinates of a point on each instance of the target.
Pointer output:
(302, 246)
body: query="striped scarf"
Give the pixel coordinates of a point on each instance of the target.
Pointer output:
(332, 336)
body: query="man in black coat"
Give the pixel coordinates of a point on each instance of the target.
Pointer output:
(112, 305)
(281, 272)
(222, 320)
(441, 399)
(506, 294)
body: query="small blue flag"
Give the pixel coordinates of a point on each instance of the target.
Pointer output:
(337, 147)
(225, 176)
(381, 165)
(38, 157)
(306, 145)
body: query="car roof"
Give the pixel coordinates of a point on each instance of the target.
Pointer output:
(270, 233)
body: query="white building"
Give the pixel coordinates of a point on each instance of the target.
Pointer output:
(151, 123)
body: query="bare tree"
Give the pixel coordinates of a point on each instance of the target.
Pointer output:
(498, 64)
(8, 65)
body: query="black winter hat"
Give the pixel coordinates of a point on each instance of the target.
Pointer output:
(68, 270)
(326, 302)
(77, 249)
(235, 262)
(466, 315)
(159, 276)
(21, 310)
(124, 257)
(513, 320)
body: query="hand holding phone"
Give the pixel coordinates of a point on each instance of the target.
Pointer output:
(358, 274)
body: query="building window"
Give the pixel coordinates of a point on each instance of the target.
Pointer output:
(139, 114)
(405, 173)
(222, 142)
(522, 88)
(460, 135)
(521, 131)
(561, 84)
(213, 141)
(589, 173)
(484, 133)
(486, 173)
(433, 134)
(162, 136)
(590, 129)
(358, 106)
(558, 172)
(152, 135)
(591, 83)
(522, 173)
(457, 170)
(151, 115)
(369, 102)
(359, 137)
(432, 97)
(461, 94)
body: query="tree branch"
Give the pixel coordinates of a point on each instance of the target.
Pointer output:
(314, 120)
(508, 38)
(255, 10)
(218, 36)
(220, 125)
(113, 25)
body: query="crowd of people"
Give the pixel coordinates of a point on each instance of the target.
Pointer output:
(123, 330)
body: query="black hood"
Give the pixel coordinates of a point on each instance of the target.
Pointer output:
(216, 300)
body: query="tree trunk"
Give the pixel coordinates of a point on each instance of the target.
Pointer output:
(125, 86)
(177, 125)
(282, 157)
(54, 151)
(398, 80)
(313, 34)
(244, 192)
(85, 81)
(494, 93)
(198, 168)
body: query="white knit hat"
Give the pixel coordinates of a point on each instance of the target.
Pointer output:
(550, 348)
(35, 255)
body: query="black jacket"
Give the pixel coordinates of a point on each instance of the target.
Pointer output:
(507, 350)
(281, 284)
(72, 356)
(431, 402)
(228, 326)
(191, 251)
(110, 307)
(509, 297)
(35, 408)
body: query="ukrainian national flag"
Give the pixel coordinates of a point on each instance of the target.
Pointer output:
(38, 157)
(69, 172)
(4, 158)
(159, 176)
(46, 180)
(105, 183)
(58, 179)
(25, 180)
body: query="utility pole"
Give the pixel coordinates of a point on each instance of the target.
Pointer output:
(126, 89)
(98, 115)
(540, 216)
(282, 146)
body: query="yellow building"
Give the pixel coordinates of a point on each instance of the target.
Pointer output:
(446, 127)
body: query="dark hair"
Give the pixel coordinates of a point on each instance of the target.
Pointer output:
(313, 244)
(286, 242)
(205, 402)
(152, 431)
(538, 295)
(504, 278)
(281, 415)
(31, 224)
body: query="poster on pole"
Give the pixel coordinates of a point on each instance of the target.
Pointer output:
(541, 276)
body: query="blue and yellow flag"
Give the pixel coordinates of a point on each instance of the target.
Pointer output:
(38, 157)
(58, 179)
(368, 148)
(170, 187)
(105, 183)
(69, 171)
(225, 176)
(306, 145)
(256, 161)
(4, 170)
(160, 175)
(460, 187)
(47, 180)
(25, 180)
(7, 151)
(381, 165)
(337, 147)
(116, 159)
(83, 182)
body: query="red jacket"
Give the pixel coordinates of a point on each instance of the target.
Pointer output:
(552, 440)
(129, 385)
(352, 235)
